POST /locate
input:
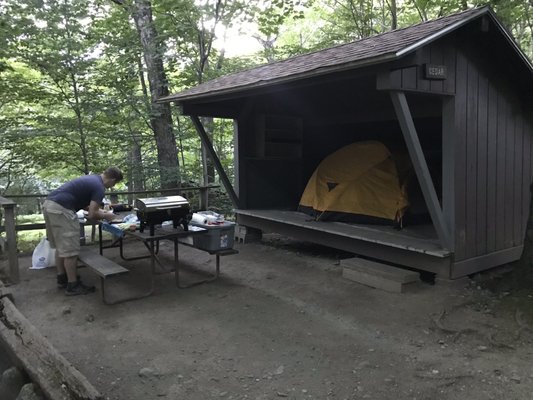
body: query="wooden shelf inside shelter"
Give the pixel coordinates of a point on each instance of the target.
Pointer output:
(279, 136)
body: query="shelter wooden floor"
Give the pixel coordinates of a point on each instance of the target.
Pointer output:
(416, 246)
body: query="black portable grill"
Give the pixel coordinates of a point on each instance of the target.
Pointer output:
(155, 210)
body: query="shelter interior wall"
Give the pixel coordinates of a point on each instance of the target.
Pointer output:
(338, 114)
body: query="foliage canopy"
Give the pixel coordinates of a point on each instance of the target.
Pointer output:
(74, 83)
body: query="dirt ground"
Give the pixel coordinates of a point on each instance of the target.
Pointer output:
(282, 322)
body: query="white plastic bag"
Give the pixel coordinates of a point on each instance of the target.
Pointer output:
(43, 255)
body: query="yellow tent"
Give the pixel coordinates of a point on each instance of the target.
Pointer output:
(357, 183)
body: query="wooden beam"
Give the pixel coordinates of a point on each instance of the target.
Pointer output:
(210, 110)
(211, 151)
(11, 240)
(485, 262)
(57, 378)
(419, 162)
(121, 193)
(448, 167)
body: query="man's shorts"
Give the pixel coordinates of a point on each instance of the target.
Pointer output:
(62, 229)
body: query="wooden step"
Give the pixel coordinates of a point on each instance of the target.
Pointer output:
(378, 275)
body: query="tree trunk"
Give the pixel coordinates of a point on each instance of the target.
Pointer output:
(81, 130)
(135, 170)
(394, 14)
(137, 174)
(160, 114)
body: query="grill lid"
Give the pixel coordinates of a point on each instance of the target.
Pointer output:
(160, 203)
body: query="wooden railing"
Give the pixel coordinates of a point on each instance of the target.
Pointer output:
(8, 207)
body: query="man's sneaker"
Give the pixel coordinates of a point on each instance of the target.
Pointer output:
(62, 281)
(74, 289)
(91, 289)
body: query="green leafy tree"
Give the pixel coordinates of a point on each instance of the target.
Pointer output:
(80, 78)
(52, 37)
(193, 28)
(517, 16)
(153, 47)
(127, 110)
(273, 17)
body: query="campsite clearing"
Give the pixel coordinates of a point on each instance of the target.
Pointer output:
(281, 323)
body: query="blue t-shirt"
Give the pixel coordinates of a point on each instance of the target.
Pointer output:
(78, 193)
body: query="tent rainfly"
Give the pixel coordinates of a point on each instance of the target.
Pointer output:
(357, 183)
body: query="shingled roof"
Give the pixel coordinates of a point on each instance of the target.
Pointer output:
(372, 50)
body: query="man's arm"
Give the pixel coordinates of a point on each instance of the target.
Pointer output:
(96, 213)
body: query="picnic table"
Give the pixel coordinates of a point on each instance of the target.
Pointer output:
(106, 268)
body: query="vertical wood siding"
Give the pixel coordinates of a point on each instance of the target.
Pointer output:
(460, 160)
(509, 179)
(527, 174)
(517, 178)
(482, 166)
(493, 163)
(500, 172)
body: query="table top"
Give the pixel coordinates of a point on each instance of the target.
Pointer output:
(161, 232)
(165, 232)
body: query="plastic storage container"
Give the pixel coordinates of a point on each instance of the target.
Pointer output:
(218, 237)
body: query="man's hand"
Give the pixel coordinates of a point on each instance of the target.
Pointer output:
(97, 214)
(109, 216)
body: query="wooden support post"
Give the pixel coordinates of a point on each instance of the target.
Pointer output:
(11, 238)
(419, 162)
(204, 198)
(209, 147)
(205, 178)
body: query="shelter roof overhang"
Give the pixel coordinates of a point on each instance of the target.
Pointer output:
(372, 51)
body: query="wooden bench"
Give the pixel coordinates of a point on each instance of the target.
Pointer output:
(106, 268)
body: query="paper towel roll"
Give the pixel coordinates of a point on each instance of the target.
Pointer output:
(210, 219)
(198, 219)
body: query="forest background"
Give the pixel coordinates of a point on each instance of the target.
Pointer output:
(79, 79)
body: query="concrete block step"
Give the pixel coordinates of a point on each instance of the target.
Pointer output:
(244, 234)
(378, 275)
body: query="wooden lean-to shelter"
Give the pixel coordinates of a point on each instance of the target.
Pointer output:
(454, 94)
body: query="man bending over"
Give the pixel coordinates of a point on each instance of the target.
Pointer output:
(62, 225)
